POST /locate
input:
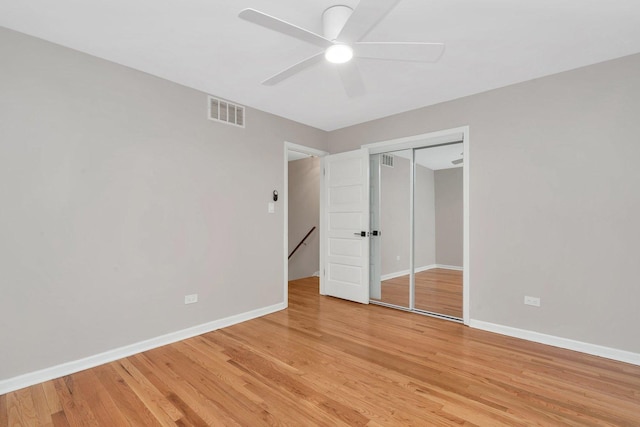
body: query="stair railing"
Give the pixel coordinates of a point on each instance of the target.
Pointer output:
(301, 242)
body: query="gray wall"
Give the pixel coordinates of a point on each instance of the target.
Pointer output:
(304, 213)
(117, 198)
(449, 216)
(554, 202)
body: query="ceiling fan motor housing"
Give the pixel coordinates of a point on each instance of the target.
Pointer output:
(333, 20)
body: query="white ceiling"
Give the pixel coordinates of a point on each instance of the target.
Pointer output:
(437, 158)
(204, 45)
(296, 155)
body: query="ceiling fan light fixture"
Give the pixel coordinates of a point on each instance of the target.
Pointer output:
(338, 53)
(343, 30)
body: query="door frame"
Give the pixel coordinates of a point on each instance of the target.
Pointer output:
(311, 152)
(436, 138)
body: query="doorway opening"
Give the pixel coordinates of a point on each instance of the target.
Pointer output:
(303, 166)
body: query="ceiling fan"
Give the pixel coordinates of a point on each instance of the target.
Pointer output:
(343, 29)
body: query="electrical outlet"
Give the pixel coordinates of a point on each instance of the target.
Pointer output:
(398, 258)
(190, 299)
(534, 301)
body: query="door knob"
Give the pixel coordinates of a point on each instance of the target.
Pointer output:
(361, 234)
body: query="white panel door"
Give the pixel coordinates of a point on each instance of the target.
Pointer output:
(346, 218)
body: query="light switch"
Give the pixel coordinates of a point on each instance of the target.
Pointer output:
(272, 207)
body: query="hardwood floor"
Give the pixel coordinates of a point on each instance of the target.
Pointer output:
(325, 361)
(438, 290)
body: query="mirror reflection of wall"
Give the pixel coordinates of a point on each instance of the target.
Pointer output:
(392, 247)
(425, 218)
(437, 229)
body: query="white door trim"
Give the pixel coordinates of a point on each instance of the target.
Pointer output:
(436, 138)
(312, 152)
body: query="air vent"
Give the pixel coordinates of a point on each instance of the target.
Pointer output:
(226, 112)
(387, 160)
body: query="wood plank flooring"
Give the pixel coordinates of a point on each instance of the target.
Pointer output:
(325, 361)
(438, 290)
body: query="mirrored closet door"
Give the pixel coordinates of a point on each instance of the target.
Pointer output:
(438, 230)
(391, 228)
(417, 229)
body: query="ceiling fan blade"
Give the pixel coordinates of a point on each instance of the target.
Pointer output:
(283, 27)
(417, 52)
(351, 79)
(285, 74)
(364, 18)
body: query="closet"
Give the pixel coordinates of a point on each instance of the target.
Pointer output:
(416, 223)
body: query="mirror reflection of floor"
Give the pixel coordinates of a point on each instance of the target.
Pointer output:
(438, 290)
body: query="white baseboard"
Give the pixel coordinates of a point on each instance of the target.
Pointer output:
(449, 267)
(583, 347)
(26, 380)
(426, 267)
(418, 270)
(394, 275)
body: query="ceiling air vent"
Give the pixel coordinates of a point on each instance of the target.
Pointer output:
(226, 112)
(387, 160)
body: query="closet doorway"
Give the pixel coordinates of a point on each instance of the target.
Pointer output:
(417, 215)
